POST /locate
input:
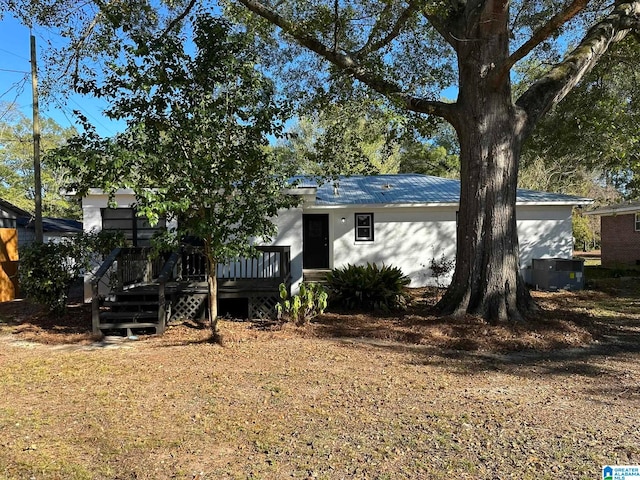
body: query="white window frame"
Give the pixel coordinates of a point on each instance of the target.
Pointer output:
(637, 219)
(367, 227)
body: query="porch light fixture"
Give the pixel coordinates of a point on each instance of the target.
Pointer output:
(343, 220)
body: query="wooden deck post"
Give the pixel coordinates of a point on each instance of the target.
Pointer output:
(95, 309)
(162, 308)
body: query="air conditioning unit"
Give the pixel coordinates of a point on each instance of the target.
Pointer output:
(553, 274)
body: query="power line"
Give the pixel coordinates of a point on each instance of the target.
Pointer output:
(17, 85)
(19, 89)
(63, 109)
(13, 71)
(14, 54)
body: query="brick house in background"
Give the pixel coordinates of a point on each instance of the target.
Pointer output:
(620, 234)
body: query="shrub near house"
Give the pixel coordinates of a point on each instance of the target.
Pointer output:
(48, 270)
(368, 287)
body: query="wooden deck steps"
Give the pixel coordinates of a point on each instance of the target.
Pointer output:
(131, 310)
(134, 290)
(318, 275)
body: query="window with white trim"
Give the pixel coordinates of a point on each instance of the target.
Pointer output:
(364, 227)
(638, 222)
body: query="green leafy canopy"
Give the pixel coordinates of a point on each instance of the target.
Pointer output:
(195, 146)
(16, 163)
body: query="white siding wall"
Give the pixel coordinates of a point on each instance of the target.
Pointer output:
(289, 223)
(406, 237)
(91, 205)
(410, 237)
(543, 232)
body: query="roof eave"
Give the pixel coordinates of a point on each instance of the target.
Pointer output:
(432, 204)
(559, 203)
(614, 211)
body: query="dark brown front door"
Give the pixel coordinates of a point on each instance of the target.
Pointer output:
(315, 241)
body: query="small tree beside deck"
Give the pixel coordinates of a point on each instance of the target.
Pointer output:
(195, 144)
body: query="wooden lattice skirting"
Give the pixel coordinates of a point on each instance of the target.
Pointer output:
(191, 306)
(263, 307)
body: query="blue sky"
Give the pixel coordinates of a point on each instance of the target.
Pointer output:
(15, 80)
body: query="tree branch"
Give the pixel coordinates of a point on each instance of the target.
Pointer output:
(562, 78)
(372, 45)
(179, 18)
(349, 65)
(440, 25)
(76, 47)
(538, 37)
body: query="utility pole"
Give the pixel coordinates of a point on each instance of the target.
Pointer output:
(36, 145)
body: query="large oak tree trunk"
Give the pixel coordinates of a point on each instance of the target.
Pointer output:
(486, 280)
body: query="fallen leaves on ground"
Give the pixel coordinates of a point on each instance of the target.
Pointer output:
(362, 396)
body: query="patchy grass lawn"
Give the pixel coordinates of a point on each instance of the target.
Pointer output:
(350, 396)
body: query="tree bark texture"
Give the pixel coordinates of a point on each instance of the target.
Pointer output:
(487, 280)
(212, 282)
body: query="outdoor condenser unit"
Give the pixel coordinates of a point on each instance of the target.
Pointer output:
(557, 274)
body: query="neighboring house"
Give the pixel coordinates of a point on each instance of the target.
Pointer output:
(16, 231)
(54, 230)
(9, 214)
(402, 220)
(619, 234)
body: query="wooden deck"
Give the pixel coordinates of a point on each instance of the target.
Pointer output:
(146, 292)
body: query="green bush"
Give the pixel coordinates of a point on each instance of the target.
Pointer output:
(48, 270)
(369, 287)
(309, 303)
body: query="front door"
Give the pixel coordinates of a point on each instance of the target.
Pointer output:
(315, 241)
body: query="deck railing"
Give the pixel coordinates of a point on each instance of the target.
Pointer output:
(271, 263)
(128, 267)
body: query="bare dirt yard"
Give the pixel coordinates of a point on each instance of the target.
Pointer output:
(360, 396)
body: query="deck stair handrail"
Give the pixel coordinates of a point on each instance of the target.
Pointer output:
(96, 279)
(127, 268)
(123, 268)
(167, 274)
(136, 266)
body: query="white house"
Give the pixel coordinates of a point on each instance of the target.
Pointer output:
(402, 220)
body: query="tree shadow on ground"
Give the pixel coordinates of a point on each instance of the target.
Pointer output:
(569, 330)
(35, 323)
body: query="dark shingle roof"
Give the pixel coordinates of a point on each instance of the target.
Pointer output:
(50, 224)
